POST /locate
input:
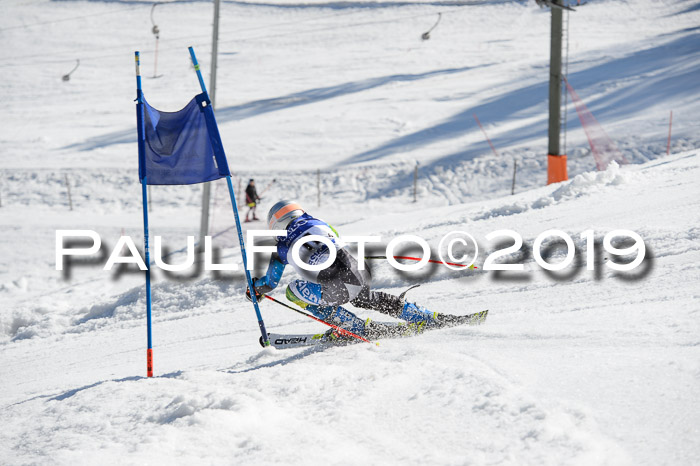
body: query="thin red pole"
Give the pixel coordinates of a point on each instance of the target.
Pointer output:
(433, 261)
(418, 259)
(342, 331)
(485, 135)
(670, 124)
(268, 187)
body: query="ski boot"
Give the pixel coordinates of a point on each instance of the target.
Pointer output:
(412, 313)
(419, 315)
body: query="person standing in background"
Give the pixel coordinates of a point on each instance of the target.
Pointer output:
(251, 198)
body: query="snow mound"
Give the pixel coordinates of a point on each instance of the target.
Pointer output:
(41, 317)
(15, 286)
(478, 415)
(584, 184)
(50, 316)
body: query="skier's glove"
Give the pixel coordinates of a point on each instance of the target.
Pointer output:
(258, 295)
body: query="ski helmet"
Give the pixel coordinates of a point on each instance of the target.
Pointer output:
(282, 213)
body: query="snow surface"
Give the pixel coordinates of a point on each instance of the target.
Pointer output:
(577, 367)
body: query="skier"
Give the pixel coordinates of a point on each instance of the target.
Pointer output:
(324, 292)
(251, 198)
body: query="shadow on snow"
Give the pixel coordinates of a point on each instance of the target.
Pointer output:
(260, 107)
(651, 76)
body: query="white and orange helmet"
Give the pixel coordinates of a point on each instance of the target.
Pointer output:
(282, 213)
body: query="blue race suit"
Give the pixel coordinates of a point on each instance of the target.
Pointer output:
(336, 284)
(324, 292)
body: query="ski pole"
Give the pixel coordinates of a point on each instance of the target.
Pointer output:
(268, 187)
(418, 259)
(339, 329)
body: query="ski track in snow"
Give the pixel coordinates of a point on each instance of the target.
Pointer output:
(580, 367)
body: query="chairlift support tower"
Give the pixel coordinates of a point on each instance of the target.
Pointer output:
(206, 189)
(556, 161)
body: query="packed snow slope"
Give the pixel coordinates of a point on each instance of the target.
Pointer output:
(574, 367)
(592, 367)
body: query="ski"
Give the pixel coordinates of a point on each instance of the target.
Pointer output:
(298, 340)
(375, 331)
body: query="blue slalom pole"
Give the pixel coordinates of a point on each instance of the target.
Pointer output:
(144, 194)
(199, 72)
(261, 324)
(213, 127)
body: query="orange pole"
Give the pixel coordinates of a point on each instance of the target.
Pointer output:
(149, 362)
(556, 168)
